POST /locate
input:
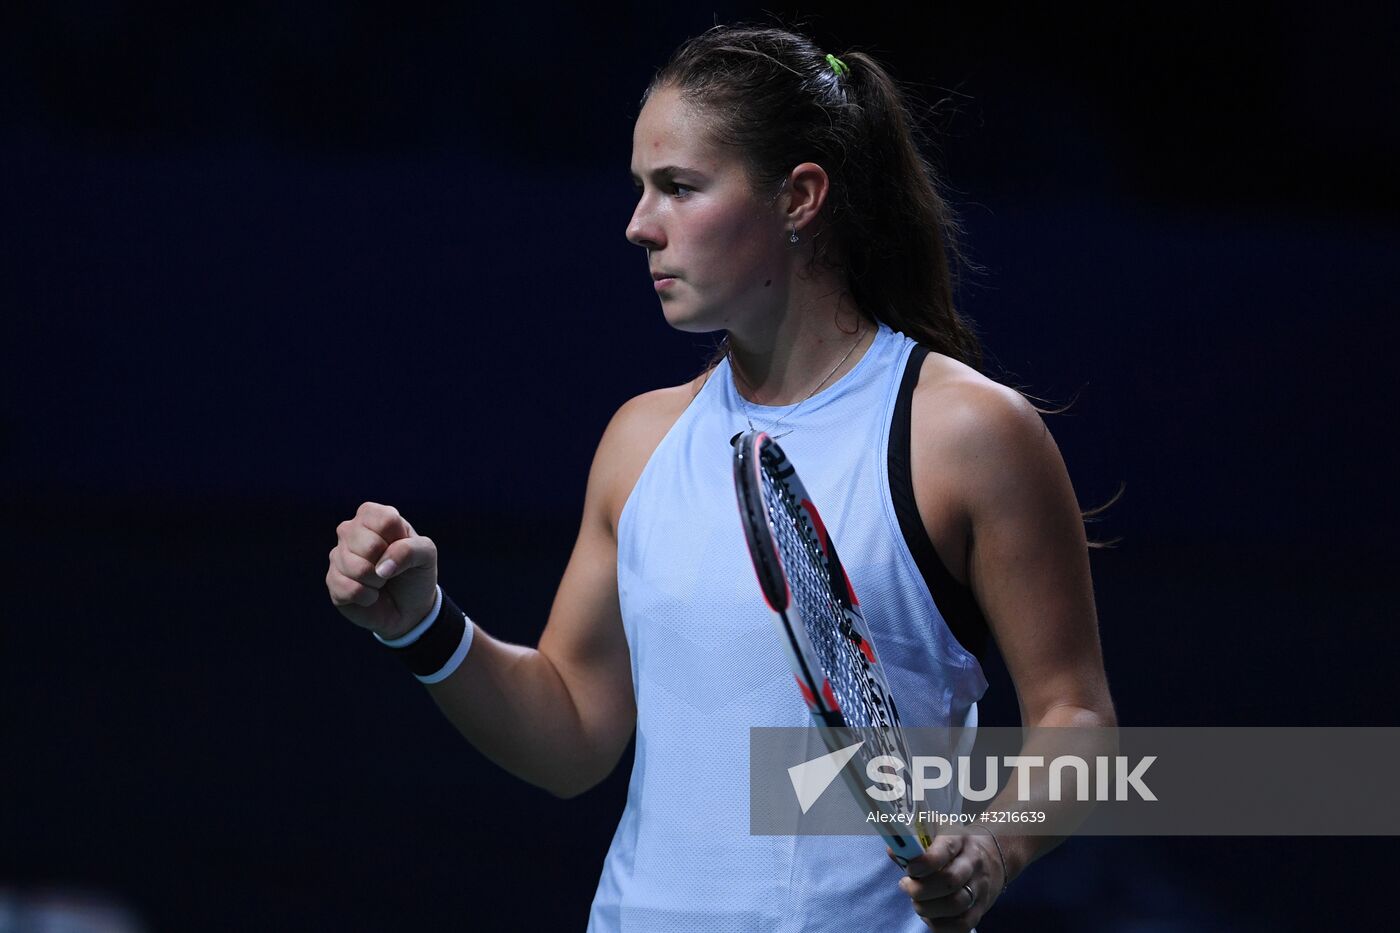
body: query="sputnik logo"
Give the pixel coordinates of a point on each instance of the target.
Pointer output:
(811, 778)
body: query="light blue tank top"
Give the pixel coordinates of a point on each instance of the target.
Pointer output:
(707, 665)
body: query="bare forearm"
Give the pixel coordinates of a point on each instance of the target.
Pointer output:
(511, 703)
(1094, 734)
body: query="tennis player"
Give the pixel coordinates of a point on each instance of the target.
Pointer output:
(782, 199)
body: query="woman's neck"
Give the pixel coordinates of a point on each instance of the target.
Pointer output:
(794, 354)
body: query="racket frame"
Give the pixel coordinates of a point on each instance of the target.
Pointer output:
(755, 452)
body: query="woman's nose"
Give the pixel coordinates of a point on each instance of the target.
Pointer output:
(642, 230)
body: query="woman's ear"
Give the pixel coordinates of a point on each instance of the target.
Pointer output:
(808, 185)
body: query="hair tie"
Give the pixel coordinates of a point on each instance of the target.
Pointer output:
(837, 66)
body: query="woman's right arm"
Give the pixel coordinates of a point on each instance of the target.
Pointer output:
(559, 715)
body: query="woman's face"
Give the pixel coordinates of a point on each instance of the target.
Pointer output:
(722, 248)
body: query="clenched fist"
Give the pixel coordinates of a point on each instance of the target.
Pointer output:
(383, 574)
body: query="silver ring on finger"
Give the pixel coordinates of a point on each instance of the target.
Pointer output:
(971, 895)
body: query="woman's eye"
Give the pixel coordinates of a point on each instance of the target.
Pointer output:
(677, 190)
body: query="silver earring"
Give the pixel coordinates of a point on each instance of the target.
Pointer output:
(793, 237)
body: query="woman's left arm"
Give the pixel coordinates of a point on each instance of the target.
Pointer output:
(988, 452)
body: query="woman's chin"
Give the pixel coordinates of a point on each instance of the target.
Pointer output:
(687, 321)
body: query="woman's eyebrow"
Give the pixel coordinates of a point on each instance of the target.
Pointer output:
(665, 172)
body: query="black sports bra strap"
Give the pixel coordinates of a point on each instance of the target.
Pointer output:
(955, 601)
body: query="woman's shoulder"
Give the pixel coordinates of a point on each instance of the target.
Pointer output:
(979, 450)
(962, 392)
(644, 419)
(972, 422)
(634, 433)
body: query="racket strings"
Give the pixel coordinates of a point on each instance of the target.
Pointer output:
(862, 700)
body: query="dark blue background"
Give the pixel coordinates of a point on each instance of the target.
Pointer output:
(260, 264)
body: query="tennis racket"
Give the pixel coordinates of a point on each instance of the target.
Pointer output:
(819, 619)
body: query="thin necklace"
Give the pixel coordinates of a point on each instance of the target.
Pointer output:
(743, 402)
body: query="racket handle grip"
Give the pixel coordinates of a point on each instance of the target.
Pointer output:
(904, 848)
